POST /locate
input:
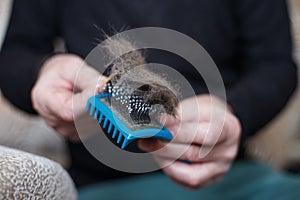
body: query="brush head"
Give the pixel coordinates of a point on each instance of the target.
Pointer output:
(120, 133)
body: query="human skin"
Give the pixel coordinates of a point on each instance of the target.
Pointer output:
(193, 130)
(53, 94)
(209, 146)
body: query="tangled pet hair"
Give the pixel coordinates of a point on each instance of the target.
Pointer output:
(137, 90)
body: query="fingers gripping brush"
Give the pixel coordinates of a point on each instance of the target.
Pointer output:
(133, 99)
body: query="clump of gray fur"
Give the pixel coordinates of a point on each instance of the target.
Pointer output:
(130, 71)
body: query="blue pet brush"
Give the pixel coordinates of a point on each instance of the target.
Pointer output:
(124, 116)
(134, 97)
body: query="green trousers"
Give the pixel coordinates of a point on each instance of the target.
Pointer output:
(245, 180)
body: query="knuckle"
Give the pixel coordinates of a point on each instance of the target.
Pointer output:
(193, 154)
(230, 154)
(66, 116)
(34, 98)
(35, 106)
(224, 168)
(211, 138)
(37, 99)
(194, 181)
(235, 136)
(236, 127)
(212, 135)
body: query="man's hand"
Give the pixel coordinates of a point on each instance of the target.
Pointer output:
(206, 146)
(53, 93)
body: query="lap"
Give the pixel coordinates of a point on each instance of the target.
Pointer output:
(245, 180)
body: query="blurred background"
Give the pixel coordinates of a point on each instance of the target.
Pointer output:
(277, 144)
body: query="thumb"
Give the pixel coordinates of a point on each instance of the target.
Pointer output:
(88, 77)
(80, 100)
(89, 82)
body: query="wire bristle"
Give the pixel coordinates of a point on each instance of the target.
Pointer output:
(135, 105)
